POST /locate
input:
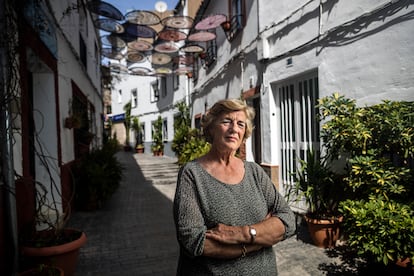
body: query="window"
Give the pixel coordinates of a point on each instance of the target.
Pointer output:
(164, 129)
(197, 121)
(176, 79)
(119, 96)
(108, 109)
(211, 53)
(97, 62)
(82, 51)
(163, 82)
(154, 91)
(134, 98)
(142, 132)
(237, 11)
(85, 113)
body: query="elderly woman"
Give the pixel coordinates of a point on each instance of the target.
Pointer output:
(228, 213)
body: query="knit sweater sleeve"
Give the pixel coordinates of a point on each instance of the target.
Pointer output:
(189, 220)
(277, 205)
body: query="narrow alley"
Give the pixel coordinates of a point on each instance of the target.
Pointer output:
(134, 234)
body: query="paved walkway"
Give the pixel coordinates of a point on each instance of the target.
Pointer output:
(134, 234)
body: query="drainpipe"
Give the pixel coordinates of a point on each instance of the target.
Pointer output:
(6, 149)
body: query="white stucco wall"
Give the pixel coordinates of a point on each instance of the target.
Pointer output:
(370, 60)
(52, 91)
(70, 68)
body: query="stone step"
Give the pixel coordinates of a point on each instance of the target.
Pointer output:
(158, 170)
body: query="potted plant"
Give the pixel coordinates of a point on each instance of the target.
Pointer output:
(188, 142)
(74, 119)
(46, 240)
(127, 123)
(322, 190)
(139, 148)
(376, 144)
(97, 176)
(136, 126)
(157, 146)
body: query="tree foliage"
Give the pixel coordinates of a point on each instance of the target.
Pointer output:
(377, 145)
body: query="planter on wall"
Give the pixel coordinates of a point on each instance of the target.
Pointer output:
(64, 256)
(324, 232)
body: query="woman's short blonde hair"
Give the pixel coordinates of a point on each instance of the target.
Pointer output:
(223, 107)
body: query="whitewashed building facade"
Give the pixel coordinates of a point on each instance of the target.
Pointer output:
(50, 67)
(281, 56)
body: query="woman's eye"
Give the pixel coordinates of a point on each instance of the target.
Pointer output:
(241, 124)
(226, 121)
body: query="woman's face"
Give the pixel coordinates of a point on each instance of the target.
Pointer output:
(229, 130)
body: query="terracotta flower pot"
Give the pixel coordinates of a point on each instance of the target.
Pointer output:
(139, 149)
(324, 232)
(405, 263)
(158, 153)
(226, 26)
(64, 256)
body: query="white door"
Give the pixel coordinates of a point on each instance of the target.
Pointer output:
(297, 99)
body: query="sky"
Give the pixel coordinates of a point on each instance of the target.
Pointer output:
(125, 6)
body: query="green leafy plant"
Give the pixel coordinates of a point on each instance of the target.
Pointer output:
(377, 145)
(127, 122)
(321, 188)
(188, 143)
(182, 123)
(97, 176)
(194, 147)
(136, 127)
(157, 145)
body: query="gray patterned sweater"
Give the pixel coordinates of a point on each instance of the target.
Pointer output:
(201, 201)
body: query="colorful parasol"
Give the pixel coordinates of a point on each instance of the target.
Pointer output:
(142, 17)
(210, 22)
(113, 41)
(135, 56)
(160, 58)
(140, 45)
(192, 48)
(202, 36)
(109, 25)
(139, 30)
(104, 9)
(166, 47)
(172, 35)
(178, 22)
(140, 71)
